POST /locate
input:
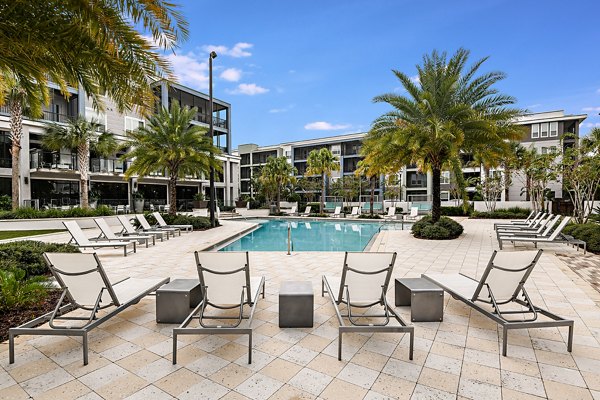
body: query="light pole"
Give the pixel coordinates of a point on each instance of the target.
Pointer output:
(213, 193)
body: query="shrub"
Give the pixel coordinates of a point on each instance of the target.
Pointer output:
(589, 233)
(369, 216)
(509, 213)
(31, 213)
(227, 208)
(456, 211)
(17, 291)
(27, 255)
(444, 229)
(5, 203)
(317, 215)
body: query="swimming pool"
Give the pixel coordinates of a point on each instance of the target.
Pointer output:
(310, 236)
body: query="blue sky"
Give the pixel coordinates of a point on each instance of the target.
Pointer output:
(302, 69)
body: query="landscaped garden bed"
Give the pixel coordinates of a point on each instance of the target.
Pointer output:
(31, 213)
(589, 233)
(443, 229)
(198, 223)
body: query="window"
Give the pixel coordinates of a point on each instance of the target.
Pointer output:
(549, 150)
(535, 131)
(553, 129)
(445, 196)
(544, 129)
(132, 123)
(445, 177)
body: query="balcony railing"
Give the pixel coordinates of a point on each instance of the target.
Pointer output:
(46, 115)
(107, 165)
(204, 118)
(40, 159)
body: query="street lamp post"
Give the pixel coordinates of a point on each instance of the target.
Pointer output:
(213, 193)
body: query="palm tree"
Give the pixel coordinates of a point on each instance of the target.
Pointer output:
(84, 136)
(171, 144)
(448, 110)
(278, 173)
(371, 172)
(322, 162)
(99, 45)
(20, 102)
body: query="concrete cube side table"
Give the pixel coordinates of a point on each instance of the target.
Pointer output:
(296, 305)
(175, 300)
(426, 300)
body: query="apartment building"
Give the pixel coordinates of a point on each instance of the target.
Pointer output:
(52, 179)
(345, 147)
(543, 131)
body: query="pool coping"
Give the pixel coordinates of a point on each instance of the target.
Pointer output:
(223, 242)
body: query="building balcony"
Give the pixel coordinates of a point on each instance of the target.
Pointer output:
(51, 160)
(108, 166)
(46, 115)
(205, 119)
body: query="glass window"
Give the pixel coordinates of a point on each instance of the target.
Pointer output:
(535, 131)
(445, 177)
(544, 129)
(445, 196)
(553, 129)
(132, 124)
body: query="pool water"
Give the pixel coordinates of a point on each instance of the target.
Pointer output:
(310, 236)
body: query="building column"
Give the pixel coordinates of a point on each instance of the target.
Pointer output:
(429, 186)
(25, 173)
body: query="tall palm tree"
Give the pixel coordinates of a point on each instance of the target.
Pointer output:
(84, 136)
(371, 172)
(322, 162)
(278, 173)
(171, 144)
(20, 102)
(446, 111)
(99, 45)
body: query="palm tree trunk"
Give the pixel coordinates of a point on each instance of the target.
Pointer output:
(372, 198)
(16, 131)
(278, 200)
(83, 152)
(173, 192)
(436, 207)
(322, 205)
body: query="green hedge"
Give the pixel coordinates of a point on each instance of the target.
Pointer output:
(369, 216)
(27, 255)
(444, 229)
(509, 213)
(589, 233)
(31, 213)
(199, 223)
(456, 211)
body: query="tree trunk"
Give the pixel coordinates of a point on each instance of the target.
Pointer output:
(173, 192)
(436, 207)
(278, 200)
(322, 205)
(83, 161)
(16, 131)
(372, 198)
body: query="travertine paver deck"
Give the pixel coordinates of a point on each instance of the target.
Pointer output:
(130, 356)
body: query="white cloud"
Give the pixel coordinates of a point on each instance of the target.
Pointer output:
(590, 125)
(231, 74)
(415, 79)
(598, 91)
(325, 126)
(238, 50)
(591, 108)
(537, 105)
(249, 89)
(189, 70)
(281, 110)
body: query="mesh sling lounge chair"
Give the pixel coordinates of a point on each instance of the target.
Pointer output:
(414, 214)
(293, 210)
(306, 212)
(108, 234)
(355, 212)
(337, 213)
(147, 228)
(501, 285)
(87, 290)
(83, 242)
(226, 285)
(555, 237)
(363, 284)
(542, 231)
(391, 213)
(530, 222)
(162, 224)
(129, 229)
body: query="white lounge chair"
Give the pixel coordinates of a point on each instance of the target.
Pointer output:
(337, 213)
(129, 229)
(363, 284)
(162, 224)
(391, 213)
(531, 222)
(108, 234)
(83, 242)
(543, 228)
(553, 238)
(146, 227)
(306, 212)
(86, 290)
(414, 214)
(355, 212)
(226, 285)
(500, 293)
(293, 210)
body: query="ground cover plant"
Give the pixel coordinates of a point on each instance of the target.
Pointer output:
(509, 213)
(198, 223)
(588, 232)
(31, 213)
(16, 234)
(444, 229)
